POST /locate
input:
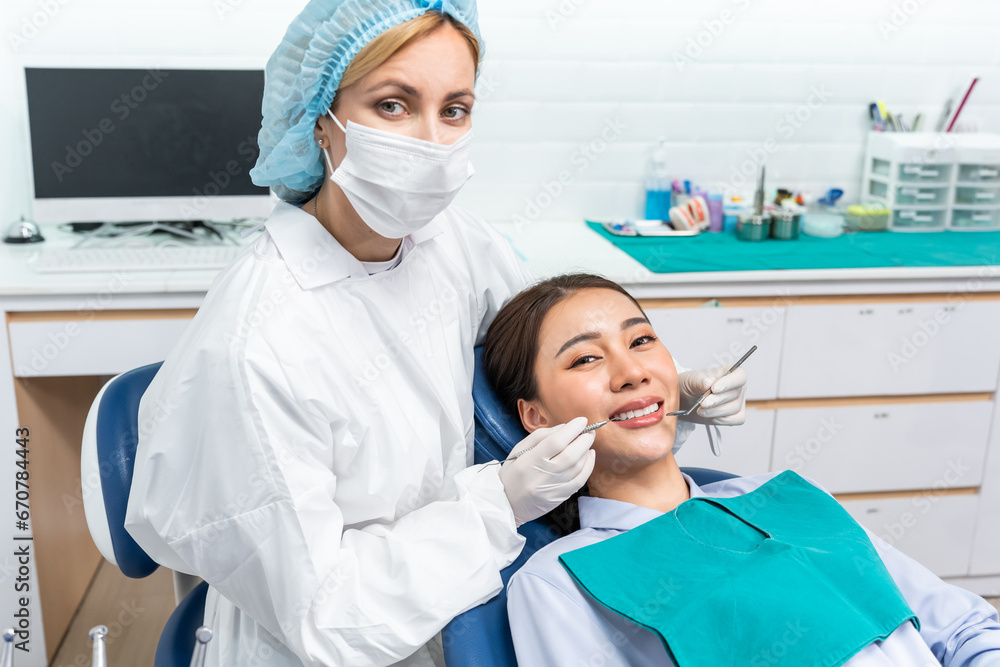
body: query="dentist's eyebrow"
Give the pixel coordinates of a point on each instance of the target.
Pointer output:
(406, 88)
(631, 322)
(465, 92)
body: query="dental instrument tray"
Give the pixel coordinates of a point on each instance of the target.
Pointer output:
(644, 228)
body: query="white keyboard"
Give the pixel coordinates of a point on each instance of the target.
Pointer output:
(151, 258)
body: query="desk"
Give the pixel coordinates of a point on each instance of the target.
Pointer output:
(67, 332)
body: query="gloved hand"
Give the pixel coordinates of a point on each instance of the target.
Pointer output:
(559, 462)
(727, 404)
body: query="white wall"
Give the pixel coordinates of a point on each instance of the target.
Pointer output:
(559, 74)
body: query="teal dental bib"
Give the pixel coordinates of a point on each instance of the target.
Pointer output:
(779, 575)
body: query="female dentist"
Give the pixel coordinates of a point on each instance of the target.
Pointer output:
(307, 447)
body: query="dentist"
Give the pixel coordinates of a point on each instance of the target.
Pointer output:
(307, 446)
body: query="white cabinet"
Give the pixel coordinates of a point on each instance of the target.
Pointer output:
(745, 449)
(986, 544)
(886, 447)
(935, 530)
(706, 337)
(890, 349)
(43, 346)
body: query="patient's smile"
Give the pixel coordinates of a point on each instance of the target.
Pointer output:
(639, 418)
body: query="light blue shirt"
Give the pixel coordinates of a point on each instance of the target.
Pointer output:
(554, 623)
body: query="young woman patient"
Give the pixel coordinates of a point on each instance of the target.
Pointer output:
(750, 571)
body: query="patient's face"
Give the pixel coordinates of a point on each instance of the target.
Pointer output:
(614, 363)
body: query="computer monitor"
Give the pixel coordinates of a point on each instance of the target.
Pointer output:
(115, 145)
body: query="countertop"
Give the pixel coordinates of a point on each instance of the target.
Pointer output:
(548, 247)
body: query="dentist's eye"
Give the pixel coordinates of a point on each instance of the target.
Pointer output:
(642, 340)
(391, 108)
(456, 113)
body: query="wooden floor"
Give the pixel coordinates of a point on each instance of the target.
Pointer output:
(135, 611)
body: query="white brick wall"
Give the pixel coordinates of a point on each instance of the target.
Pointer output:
(560, 72)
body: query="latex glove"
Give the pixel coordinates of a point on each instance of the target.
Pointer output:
(727, 404)
(559, 462)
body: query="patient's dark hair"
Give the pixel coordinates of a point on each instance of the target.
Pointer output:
(511, 344)
(510, 349)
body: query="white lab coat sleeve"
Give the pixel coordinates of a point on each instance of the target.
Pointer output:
(961, 628)
(275, 544)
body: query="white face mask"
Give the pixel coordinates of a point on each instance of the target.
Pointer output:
(398, 184)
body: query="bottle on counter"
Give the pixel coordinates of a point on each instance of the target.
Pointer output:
(658, 186)
(731, 213)
(715, 212)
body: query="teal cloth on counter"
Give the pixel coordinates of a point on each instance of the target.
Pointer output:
(724, 252)
(782, 567)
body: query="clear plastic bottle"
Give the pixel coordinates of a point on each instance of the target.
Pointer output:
(658, 186)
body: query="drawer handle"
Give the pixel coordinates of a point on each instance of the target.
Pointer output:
(986, 195)
(982, 217)
(910, 215)
(920, 171)
(988, 173)
(918, 194)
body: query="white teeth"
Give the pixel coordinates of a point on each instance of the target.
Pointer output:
(632, 414)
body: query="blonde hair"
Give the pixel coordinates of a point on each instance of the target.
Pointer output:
(392, 40)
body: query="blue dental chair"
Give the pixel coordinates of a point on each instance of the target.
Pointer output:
(110, 437)
(481, 637)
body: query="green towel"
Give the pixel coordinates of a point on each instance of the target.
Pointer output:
(724, 252)
(781, 571)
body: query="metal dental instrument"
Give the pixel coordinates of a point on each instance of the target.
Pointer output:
(7, 660)
(684, 413)
(202, 635)
(587, 429)
(99, 657)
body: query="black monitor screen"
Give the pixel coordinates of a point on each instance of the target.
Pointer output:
(143, 133)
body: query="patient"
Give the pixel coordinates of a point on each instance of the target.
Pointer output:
(749, 571)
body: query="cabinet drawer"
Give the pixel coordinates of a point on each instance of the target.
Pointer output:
(983, 173)
(977, 195)
(746, 449)
(918, 220)
(889, 447)
(935, 530)
(972, 218)
(890, 348)
(51, 346)
(924, 173)
(706, 337)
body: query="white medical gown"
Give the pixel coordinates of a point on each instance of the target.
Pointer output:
(306, 446)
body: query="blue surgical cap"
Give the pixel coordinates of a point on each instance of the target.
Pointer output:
(304, 72)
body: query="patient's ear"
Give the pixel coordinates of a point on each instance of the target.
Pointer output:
(532, 415)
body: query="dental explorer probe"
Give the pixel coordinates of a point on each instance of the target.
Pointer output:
(684, 413)
(587, 429)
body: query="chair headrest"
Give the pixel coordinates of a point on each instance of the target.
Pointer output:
(497, 431)
(117, 438)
